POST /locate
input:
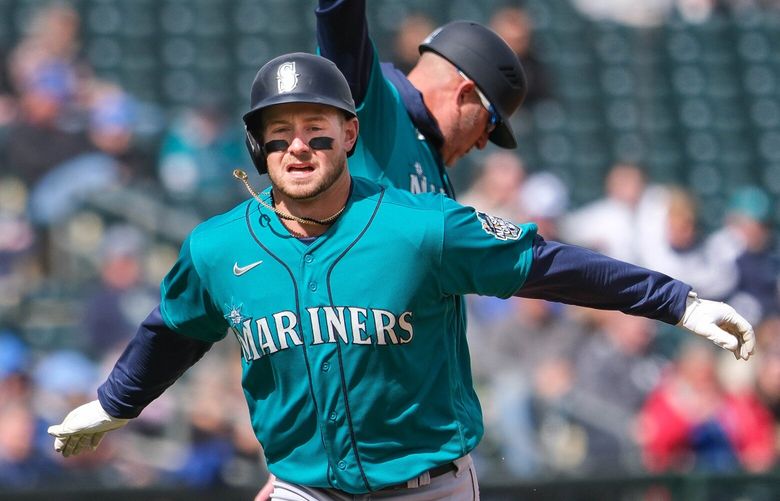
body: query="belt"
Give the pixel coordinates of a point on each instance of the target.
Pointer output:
(434, 472)
(441, 470)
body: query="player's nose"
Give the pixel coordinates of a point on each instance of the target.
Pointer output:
(298, 146)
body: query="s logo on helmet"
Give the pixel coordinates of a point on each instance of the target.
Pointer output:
(498, 227)
(286, 77)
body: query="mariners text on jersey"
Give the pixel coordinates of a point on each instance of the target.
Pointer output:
(349, 325)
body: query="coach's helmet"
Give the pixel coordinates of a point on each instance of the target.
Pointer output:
(294, 78)
(484, 57)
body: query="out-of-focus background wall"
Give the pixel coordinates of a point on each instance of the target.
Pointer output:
(651, 133)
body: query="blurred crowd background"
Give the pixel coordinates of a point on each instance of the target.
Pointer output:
(651, 133)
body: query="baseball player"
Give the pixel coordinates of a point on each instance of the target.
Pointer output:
(344, 296)
(460, 94)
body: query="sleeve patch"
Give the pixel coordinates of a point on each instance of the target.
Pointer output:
(499, 227)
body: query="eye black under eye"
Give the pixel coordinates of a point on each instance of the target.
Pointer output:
(321, 143)
(315, 143)
(275, 145)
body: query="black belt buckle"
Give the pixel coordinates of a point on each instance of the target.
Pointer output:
(441, 470)
(434, 472)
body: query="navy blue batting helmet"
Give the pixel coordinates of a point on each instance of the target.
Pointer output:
(298, 77)
(484, 57)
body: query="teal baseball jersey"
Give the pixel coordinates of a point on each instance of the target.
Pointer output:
(390, 149)
(355, 364)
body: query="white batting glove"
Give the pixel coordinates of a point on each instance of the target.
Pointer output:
(719, 323)
(83, 429)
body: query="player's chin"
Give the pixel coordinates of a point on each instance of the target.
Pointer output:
(302, 189)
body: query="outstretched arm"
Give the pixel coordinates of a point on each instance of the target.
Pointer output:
(342, 36)
(153, 360)
(574, 275)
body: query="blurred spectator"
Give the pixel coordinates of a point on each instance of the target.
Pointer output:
(544, 200)
(650, 13)
(676, 247)
(516, 342)
(22, 464)
(51, 35)
(113, 118)
(17, 241)
(46, 74)
(767, 370)
(613, 224)
(496, 190)
(616, 369)
(647, 13)
(7, 97)
(198, 155)
(211, 445)
(110, 160)
(122, 299)
(509, 350)
(217, 435)
(560, 437)
(411, 32)
(14, 364)
(52, 39)
(690, 422)
(63, 378)
(748, 242)
(515, 26)
(37, 140)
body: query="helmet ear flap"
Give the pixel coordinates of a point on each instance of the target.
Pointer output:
(257, 153)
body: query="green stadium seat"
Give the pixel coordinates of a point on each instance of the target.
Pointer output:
(617, 81)
(179, 52)
(688, 80)
(696, 113)
(771, 179)
(177, 17)
(704, 179)
(769, 146)
(765, 112)
(760, 80)
(702, 147)
(249, 18)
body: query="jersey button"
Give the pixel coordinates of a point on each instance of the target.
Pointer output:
(312, 286)
(308, 258)
(342, 465)
(325, 366)
(332, 416)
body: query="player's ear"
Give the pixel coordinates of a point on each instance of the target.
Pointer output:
(463, 91)
(351, 128)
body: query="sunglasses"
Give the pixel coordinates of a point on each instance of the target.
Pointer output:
(494, 119)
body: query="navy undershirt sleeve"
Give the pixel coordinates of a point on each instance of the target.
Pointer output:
(153, 360)
(574, 275)
(342, 37)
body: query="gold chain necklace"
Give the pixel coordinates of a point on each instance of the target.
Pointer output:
(241, 176)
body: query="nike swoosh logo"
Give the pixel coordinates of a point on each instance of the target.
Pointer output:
(240, 270)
